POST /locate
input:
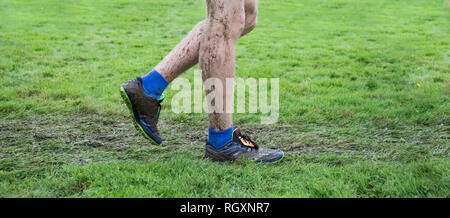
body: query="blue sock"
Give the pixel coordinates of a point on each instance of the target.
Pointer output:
(154, 84)
(219, 138)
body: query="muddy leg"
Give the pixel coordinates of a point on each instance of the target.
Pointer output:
(224, 25)
(183, 56)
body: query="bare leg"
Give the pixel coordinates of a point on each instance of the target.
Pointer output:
(185, 55)
(224, 25)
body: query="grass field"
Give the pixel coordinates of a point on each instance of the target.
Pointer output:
(364, 100)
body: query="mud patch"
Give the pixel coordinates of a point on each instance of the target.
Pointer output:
(41, 141)
(54, 140)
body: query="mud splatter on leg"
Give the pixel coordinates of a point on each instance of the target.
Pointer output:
(186, 54)
(224, 25)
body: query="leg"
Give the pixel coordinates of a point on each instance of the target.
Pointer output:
(224, 26)
(185, 55)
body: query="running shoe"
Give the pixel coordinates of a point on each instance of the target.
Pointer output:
(241, 146)
(144, 109)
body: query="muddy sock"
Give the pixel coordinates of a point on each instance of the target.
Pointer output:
(154, 84)
(219, 138)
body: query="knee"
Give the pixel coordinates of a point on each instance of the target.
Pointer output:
(228, 18)
(251, 15)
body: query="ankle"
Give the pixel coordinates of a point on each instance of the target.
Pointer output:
(219, 138)
(154, 84)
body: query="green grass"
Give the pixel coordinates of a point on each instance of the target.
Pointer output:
(353, 121)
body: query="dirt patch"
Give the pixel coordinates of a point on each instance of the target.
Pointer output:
(37, 141)
(40, 141)
(49, 140)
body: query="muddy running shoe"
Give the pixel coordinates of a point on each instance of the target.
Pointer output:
(242, 147)
(144, 109)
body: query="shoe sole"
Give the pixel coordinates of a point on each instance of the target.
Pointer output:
(219, 158)
(275, 161)
(138, 127)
